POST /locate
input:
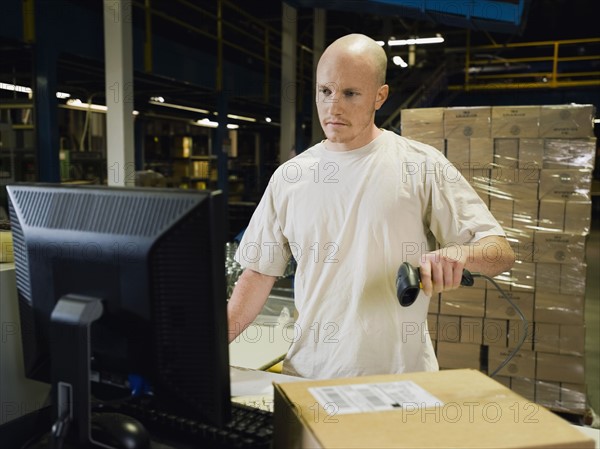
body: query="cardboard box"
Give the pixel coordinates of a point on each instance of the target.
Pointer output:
(547, 393)
(495, 332)
(461, 122)
(573, 397)
(547, 277)
(457, 152)
(572, 279)
(463, 301)
(547, 337)
(570, 153)
(471, 330)
(432, 326)
(481, 152)
(516, 331)
(458, 355)
(498, 307)
(559, 247)
(572, 339)
(448, 328)
(502, 210)
(559, 308)
(525, 214)
(504, 380)
(515, 121)
(450, 409)
(521, 242)
(531, 153)
(506, 153)
(551, 215)
(523, 386)
(578, 216)
(567, 121)
(560, 368)
(522, 277)
(438, 144)
(421, 123)
(516, 184)
(567, 184)
(434, 304)
(7, 252)
(521, 365)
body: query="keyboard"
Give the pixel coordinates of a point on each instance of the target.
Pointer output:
(249, 427)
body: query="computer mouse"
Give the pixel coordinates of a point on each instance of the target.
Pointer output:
(120, 431)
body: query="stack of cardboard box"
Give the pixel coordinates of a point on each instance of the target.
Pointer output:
(532, 166)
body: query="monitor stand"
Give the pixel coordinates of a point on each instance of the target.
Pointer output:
(70, 345)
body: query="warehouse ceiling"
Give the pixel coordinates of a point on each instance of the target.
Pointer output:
(180, 22)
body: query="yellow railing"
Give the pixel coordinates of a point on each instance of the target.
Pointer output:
(532, 65)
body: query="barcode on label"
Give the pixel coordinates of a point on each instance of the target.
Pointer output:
(359, 398)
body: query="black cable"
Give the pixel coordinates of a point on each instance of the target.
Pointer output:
(60, 430)
(523, 319)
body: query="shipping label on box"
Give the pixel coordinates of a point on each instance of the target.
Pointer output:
(559, 247)
(570, 120)
(531, 153)
(467, 122)
(568, 184)
(552, 307)
(521, 365)
(560, 368)
(448, 408)
(515, 121)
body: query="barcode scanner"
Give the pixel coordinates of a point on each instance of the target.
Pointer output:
(408, 283)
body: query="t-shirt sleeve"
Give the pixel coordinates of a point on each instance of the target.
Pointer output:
(458, 215)
(263, 247)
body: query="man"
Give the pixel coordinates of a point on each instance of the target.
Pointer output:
(350, 210)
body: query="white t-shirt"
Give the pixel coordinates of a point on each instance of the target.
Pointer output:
(350, 219)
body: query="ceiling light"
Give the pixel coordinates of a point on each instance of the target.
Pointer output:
(399, 61)
(76, 103)
(268, 119)
(241, 117)
(232, 126)
(177, 106)
(28, 90)
(157, 99)
(416, 41)
(207, 123)
(380, 43)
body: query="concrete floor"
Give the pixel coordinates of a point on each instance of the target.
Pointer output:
(592, 314)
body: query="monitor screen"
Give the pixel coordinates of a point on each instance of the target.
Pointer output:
(155, 259)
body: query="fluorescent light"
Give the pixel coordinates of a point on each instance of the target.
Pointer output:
(207, 123)
(157, 99)
(416, 41)
(240, 117)
(78, 104)
(380, 43)
(399, 61)
(232, 126)
(268, 119)
(177, 106)
(28, 90)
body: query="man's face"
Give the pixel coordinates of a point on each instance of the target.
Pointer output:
(348, 94)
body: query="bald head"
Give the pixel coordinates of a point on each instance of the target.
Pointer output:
(353, 47)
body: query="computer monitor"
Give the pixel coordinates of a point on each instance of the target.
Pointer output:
(130, 279)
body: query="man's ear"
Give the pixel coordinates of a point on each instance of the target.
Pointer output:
(382, 94)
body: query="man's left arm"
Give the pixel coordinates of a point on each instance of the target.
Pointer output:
(441, 270)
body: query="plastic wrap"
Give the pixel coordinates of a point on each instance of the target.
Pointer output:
(423, 124)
